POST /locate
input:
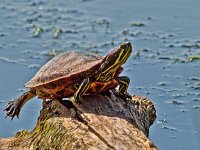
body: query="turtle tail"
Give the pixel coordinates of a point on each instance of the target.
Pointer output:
(14, 106)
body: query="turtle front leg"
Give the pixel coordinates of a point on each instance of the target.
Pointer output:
(84, 86)
(14, 106)
(123, 86)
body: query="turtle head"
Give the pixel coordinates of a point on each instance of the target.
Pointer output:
(121, 54)
(113, 61)
(118, 57)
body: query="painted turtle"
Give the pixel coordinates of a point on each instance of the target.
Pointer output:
(74, 73)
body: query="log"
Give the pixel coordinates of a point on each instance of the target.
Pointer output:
(100, 122)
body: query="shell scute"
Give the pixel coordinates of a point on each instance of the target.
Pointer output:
(65, 67)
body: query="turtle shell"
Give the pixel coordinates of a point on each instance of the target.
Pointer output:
(66, 65)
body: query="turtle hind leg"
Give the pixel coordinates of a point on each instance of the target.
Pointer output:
(14, 106)
(123, 86)
(67, 103)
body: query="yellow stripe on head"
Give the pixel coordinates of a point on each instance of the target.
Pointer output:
(113, 61)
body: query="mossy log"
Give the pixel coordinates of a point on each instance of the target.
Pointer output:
(100, 122)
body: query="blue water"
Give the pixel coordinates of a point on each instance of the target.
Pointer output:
(164, 34)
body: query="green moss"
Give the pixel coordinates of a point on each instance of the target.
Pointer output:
(47, 134)
(51, 133)
(193, 58)
(22, 133)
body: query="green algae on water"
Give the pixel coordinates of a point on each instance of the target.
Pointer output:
(193, 58)
(57, 32)
(37, 31)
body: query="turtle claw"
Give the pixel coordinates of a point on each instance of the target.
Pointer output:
(12, 110)
(125, 97)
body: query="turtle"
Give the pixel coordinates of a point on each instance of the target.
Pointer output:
(74, 74)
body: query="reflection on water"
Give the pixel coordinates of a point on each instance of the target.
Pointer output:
(164, 66)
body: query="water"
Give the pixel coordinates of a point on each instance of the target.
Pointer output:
(165, 35)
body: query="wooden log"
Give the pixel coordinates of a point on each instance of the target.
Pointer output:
(100, 122)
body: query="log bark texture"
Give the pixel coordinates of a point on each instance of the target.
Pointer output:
(100, 122)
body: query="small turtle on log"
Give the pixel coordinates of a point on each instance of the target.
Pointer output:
(76, 74)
